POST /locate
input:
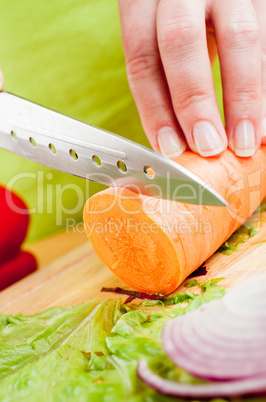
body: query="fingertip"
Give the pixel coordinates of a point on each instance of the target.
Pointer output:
(207, 140)
(171, 144)
(244, 142)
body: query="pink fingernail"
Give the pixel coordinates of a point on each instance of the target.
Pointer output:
(244, 139)
(171, 145)
(207, 140)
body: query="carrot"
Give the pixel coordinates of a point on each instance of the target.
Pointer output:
(154, 244)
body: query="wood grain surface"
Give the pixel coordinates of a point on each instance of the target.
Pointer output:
(78, 275)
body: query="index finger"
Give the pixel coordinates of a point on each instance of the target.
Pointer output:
(183, 48)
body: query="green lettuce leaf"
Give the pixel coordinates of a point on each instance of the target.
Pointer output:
(244, 233)
(90, 352)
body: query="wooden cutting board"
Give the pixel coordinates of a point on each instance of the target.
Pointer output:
(70, 277)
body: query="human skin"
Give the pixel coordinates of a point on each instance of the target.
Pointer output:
(168, 47)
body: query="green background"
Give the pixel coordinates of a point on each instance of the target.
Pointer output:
(66, 55)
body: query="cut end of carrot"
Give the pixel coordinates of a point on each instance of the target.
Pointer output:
(154, 244)
(130, 243)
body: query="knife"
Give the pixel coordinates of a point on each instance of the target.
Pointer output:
(71, 146)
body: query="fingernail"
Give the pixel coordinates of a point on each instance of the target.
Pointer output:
(207, 140)
(263, 128)
(244, 139)
(171, 145)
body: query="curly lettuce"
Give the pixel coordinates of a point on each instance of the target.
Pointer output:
(90, 352)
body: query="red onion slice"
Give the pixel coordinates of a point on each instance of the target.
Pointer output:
(248, 298)
(209, 338)
(240, 388)
(221, 325)
(206, 361)
(218, 341)
(190, 334)
(221, 322)
(208, 365)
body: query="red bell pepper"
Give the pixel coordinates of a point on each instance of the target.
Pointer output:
(14, 218)
(17, 268)
(14, 221)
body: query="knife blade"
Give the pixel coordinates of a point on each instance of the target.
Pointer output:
(71, 146)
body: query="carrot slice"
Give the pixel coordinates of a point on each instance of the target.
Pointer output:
(154, 244)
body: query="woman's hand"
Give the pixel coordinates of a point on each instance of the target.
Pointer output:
(168, 47)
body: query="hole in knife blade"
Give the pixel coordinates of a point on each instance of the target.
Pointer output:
(122, 166)
(52, 148)
(97, 161)
(33, 142)
(14, 135)
(73, 154)
(149, 172)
